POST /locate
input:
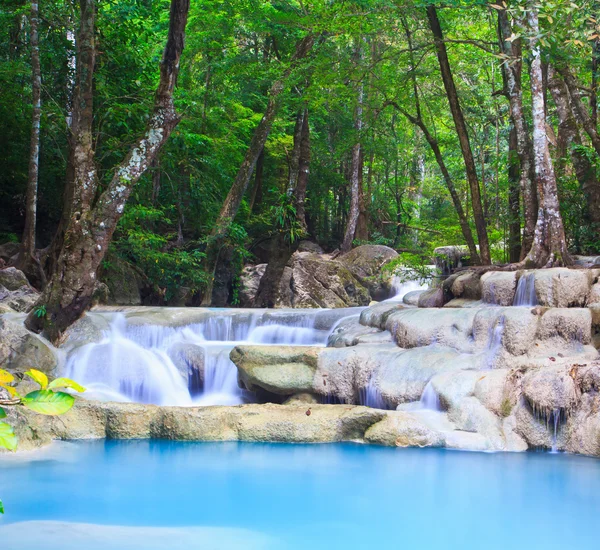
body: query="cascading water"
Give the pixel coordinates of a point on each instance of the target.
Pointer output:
(187, 365)
(370, 396)
(525, 294)
(401, 285)
(495, 341)
(430, 399)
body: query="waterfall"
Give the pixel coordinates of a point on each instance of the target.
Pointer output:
(525, 294)
(400, 286)
(370, 396)
(495, 341)
(187, 365)
(430, 399)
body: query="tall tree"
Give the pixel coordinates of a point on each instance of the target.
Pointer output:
(87, 237)
(570, 139)
(28, 261)
(355, 163)
(512, 63)
(236, 193)
(463, 135)
(549, 247)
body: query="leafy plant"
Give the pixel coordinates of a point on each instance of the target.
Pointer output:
(47, 400)
(40, 311)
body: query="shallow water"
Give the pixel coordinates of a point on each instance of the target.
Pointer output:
(150, 495)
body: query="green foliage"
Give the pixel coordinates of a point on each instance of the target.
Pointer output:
(146, 238)
(408, 267)
(286, 222)
(48, 402)
(8, 439)
(40, 311)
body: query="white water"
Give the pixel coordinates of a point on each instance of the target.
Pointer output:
(401, 287)
(525, 294)
(495, 342)
(430, 399)
(187, 365)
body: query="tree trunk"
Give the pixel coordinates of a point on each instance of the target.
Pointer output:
(511, 68)
(549, 246)
(28, 261)
(514, 177)
(234, 197)
(568, 133)
(356, 165)
(362, 225)
(579, 108)
(294, 160)
(88, 235)
(256, 195)
(282, 249)
(303, 174)
(463, 136)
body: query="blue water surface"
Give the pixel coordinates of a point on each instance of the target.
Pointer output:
(147, 495)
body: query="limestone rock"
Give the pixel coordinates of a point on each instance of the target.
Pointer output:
(562, 287)
(21, 350)
(124, 282)
(448, 258)
(282, 370)
(376, 315)
(499, 287)
(8, 251)
(12, 279)
(403, 429)
(412, 298)
(22, 299)
(467, 285)
(550, 389)
(309, 246)
(349, 332)
(431, 298)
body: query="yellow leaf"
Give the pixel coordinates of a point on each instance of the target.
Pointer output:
(10, 390)
(65, 383)
(496, 7)
(39, 377)
(6, 377)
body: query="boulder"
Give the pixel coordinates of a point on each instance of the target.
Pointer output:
(21, 350)
(412, 298)
(550, 390)
(319, 282)
(125, 283)
(12, 279)
(467, 285)
(376, 315)
(431, 298)
(562, 287)
(22, 299)
(8, 251)
(499, 287)
(367, 260)
(308, 246)
(594, 296)
(189, 359)
(282, 370)
(403, 429)
(350, 332)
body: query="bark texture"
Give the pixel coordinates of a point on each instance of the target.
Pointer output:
(356, 165)
(549, 246)
(512, 69)
(89, 232)
(463, 135)
(236, 193)
(569, 138)
(28, 261)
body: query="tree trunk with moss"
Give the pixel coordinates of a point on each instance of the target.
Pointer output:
(92, 224)
(549, 246)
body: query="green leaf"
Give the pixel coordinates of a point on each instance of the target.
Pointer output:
(6, 377)
(48, 402)
(1, 507)
(8, 439)
(66, 383)
(2, 413)
(39, 377)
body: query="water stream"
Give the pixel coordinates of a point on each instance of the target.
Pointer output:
(152, 362)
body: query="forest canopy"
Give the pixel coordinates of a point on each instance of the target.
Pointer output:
(408, 124)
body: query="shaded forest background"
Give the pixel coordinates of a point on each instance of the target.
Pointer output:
(367, 100)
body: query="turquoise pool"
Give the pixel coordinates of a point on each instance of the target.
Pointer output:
(147, 495)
